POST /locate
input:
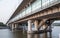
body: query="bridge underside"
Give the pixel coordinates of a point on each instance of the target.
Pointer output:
(49, 13)
(41, 20)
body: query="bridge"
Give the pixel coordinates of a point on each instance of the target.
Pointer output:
(40, 13)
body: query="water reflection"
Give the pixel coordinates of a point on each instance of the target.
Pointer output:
(33, 36)
(6, 33)
(29, 35)
(50, 34)
(36, 36)
(44, 35)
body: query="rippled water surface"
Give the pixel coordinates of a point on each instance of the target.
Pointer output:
(6, 33)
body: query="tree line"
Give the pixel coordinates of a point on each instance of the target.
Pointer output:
(2, 24)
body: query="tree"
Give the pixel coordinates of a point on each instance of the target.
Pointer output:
(2, 24)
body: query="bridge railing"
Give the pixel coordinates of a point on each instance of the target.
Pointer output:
(38, 5)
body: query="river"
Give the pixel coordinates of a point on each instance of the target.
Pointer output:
(6, 33)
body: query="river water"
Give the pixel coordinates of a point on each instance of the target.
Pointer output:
(6, 33)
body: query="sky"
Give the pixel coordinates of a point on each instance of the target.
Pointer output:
(7, 8)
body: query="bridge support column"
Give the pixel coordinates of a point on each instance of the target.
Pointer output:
(29, 26)
(12, 26)
(44, 26)
(16, 26)
(36, 25)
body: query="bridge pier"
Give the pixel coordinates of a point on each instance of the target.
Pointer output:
(29, 26)
(36, 25)
(16, 26)
(12, 26)
(42, 24)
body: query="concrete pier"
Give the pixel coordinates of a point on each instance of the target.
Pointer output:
(29, 26)
(36, 25)
(12, 26)
(16, 26)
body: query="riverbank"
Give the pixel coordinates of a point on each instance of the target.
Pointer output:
(3, 27)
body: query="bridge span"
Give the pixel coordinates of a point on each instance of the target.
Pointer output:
(40, 13)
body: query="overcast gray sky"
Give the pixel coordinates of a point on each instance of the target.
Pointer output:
(7, 8)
